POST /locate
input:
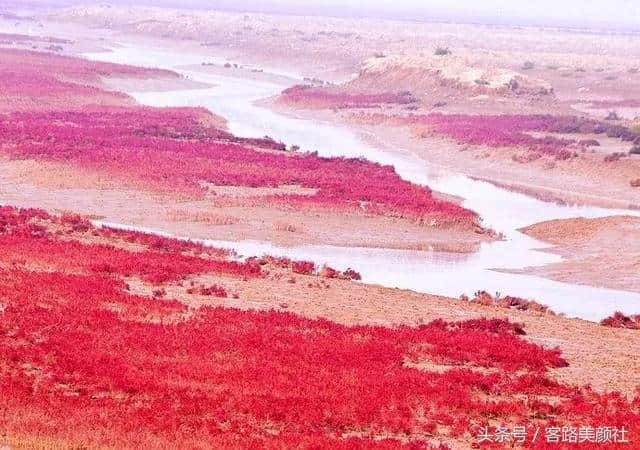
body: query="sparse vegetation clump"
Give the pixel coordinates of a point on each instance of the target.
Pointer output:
(528, 65)
(508, 302)
(442, 51)
(620, 320)
(615, 156)
(612, 116)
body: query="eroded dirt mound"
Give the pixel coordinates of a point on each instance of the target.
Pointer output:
(425, 74)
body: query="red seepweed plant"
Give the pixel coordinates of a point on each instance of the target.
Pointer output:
(83, 361)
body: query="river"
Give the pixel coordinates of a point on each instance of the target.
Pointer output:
(235, 99)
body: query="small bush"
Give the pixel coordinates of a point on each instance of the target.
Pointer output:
(612, 116)
(613, 157)
(619, 320)
(351, 274)
(528, 65)
(303, 267)
(213, 290)
(589, 143)
(507, 302)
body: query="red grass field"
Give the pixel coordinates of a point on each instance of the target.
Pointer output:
(536, 133)
(40, 81)
(85, 362)
(181, 146)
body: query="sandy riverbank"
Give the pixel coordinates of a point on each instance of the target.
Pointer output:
(597, 252)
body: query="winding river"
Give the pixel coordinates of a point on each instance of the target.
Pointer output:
(431, 272)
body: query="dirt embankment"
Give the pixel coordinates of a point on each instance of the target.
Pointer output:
(324, 46)
(598, 252)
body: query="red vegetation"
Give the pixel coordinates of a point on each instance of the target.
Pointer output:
(183, 150)
(324, 98)
(27, 237)
(86, 363)
(508, 302)
(619, 320)
(184, 153)
(42, 81)
(510, 130)
(497, 131)
(303, 267)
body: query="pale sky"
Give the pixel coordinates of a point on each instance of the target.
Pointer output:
(624, 13)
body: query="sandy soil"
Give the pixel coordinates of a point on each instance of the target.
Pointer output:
(598, 252)
(333, 47)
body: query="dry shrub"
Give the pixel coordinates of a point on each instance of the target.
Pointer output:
(619, 320)
(211, 218)
(508, 302)
(288, 227)
(613, 157)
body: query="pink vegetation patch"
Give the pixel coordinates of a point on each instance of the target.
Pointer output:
(174, 149)
(35, 80)
(509, 130)
(171, 149)
(620, 320)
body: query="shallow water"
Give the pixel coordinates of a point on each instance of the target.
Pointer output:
(432, 272)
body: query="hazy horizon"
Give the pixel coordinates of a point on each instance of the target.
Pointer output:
(624, 14)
